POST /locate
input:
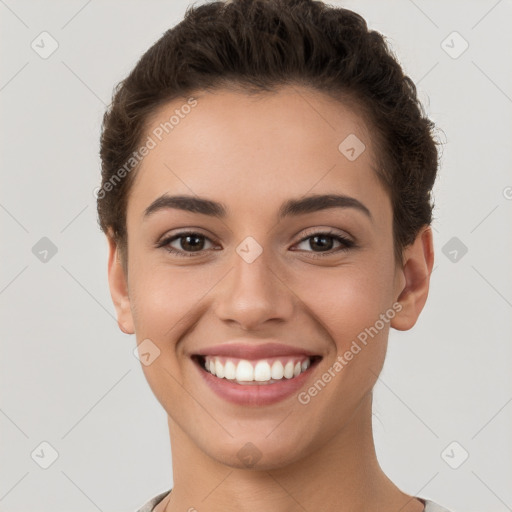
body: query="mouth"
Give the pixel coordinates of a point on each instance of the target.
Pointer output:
(259, 372)
(255, 382)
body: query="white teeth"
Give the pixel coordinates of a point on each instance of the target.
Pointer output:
(219, 369)
(230, 370)
(262, 371)
(277, 370)
(288, 369)
(245, 371)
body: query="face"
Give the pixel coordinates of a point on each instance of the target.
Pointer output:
(314, 277)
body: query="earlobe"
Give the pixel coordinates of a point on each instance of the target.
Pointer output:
(415, 272)
(119, 288)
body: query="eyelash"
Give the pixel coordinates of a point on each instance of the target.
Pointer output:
(348, 244)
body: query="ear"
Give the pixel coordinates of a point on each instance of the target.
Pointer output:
(119, 288)
(413, 279)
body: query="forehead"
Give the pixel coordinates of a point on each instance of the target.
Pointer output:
(252, 151)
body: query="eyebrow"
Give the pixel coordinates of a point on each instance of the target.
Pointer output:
(291, 207)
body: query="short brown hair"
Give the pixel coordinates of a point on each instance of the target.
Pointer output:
(257, 46)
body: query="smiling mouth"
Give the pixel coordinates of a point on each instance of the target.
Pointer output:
(256, 372)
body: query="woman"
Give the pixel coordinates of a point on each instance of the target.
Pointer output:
(266, 180)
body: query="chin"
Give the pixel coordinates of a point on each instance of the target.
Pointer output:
(257, 452)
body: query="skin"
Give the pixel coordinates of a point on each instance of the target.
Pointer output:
(235, 149)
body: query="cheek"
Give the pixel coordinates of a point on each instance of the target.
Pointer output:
(346, 300)
(165, 303)
(347, 304)
(166, 300)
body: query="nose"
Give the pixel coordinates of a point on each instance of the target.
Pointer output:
(254, 294)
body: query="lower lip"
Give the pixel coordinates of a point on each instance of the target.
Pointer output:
(254, 394)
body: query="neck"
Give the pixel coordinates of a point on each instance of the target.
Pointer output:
(342, 475)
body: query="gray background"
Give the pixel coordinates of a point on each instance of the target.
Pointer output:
(68, 374)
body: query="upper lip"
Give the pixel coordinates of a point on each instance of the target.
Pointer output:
(254, 351)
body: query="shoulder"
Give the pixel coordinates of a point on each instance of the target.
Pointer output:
(430, 506)
(153, 502)
(149, 506)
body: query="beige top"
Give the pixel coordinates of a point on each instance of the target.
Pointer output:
(430, 506)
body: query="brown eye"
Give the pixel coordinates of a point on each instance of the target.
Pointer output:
(188, 242)
(324, 243)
